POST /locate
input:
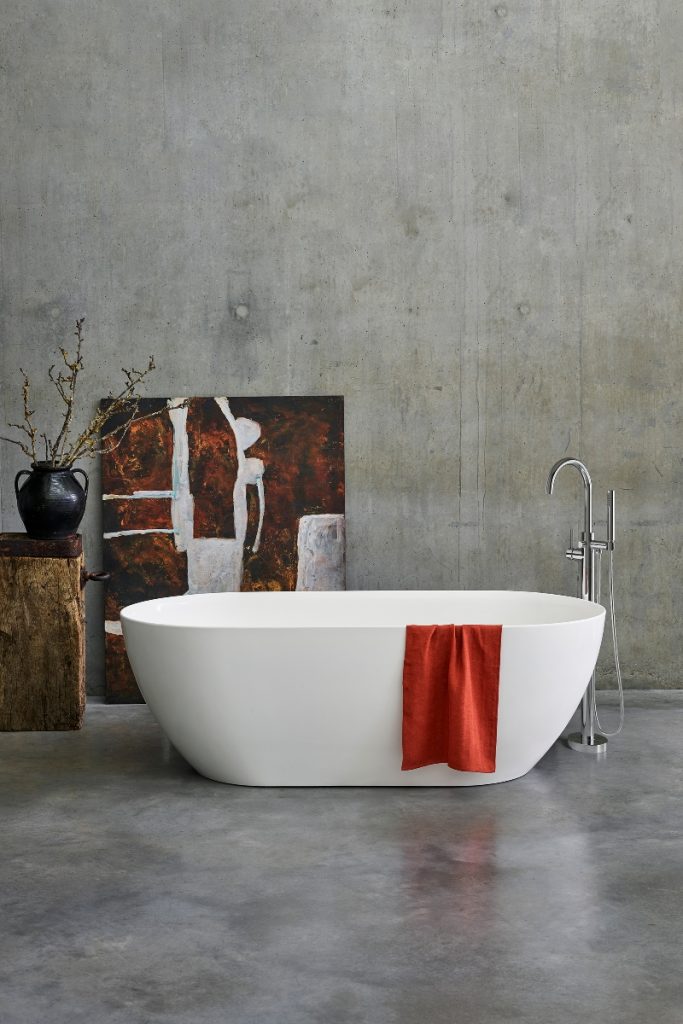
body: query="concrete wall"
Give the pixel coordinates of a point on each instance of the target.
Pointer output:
(465, 217)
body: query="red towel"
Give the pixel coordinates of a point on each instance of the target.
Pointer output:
(450, 697)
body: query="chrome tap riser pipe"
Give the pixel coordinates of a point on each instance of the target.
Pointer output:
(588, 566)
(586, 552)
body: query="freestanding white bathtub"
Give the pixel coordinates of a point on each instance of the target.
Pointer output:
(305, 689)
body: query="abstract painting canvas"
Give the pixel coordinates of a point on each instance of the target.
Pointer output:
(221, 494)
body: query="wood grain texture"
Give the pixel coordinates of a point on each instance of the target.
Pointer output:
(42, 664)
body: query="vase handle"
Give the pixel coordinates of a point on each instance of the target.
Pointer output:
(85, 477)
(18, 478)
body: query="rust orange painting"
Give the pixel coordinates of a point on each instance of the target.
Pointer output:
(218, 494)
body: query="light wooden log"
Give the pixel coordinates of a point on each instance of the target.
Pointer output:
(42, 645)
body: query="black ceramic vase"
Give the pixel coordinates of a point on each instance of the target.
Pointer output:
(51, 501)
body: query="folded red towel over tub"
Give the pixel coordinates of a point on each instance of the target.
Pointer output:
(450, 697)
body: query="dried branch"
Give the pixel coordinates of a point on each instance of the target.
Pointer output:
(63, 451)
(118, 404)
(20, 444)
(122, 429)
(58, 382)
(27, 426)
(68, 393)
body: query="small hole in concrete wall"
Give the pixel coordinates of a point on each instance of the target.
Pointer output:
(241, 311)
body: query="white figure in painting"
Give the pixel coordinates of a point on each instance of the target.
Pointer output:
(249, 471)
(215, 563)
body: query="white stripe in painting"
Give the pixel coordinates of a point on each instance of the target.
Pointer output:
(132, 533)
(182, 503)
(138, 494)
(215, 563)
(114, 627)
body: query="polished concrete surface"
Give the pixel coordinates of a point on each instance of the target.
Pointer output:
(135, 891)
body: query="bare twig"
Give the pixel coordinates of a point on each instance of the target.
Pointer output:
(121, 431)
(27, 426)
(58, 382)
(68, 393)
(20, 444)
(63, 451)
(118, 404)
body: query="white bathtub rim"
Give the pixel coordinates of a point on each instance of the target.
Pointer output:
(139, 612)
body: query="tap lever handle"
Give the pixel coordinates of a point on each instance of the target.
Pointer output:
(610, 519)
(574, 552)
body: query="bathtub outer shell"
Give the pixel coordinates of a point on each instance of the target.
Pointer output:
(264, 690)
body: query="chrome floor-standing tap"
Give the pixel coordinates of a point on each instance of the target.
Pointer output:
(586, 551)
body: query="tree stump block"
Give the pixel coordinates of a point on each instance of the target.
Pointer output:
(42, 635)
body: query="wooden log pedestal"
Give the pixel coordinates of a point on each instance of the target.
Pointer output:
(42, 637)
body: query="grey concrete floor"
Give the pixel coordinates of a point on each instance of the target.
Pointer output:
(135, 891)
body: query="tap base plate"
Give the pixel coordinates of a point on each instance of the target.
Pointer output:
(576, 741)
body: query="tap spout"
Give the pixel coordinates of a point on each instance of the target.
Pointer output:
(587, 574)
(585, 475)
(587, 490)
